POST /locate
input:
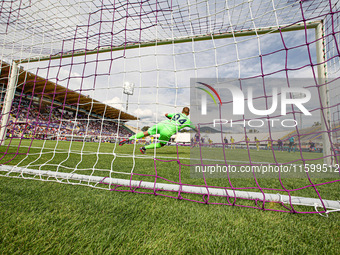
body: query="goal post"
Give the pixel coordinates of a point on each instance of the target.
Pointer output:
(7, 103)
(326, 122)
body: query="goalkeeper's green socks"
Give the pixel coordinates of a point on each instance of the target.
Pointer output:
(137, 136)
(153, 145)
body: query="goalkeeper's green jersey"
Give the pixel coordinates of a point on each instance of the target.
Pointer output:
(177, 122)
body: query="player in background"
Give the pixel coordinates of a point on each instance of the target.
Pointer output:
(196, 140)
(232, 142)
(280, 145)
(226, 142)
(165, 129)
(311, 145)
(202, 140)
(291, 144)
(247, 140)
(269, 143)
(210, 142)
(257, 142)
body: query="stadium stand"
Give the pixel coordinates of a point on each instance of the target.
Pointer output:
(37, 113)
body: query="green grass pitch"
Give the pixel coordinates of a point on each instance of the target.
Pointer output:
(51, 218)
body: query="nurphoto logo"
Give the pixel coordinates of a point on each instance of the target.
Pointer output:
(239, 99)
(281, 99)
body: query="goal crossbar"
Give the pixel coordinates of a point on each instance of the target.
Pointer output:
(267, 197)
(230, 34)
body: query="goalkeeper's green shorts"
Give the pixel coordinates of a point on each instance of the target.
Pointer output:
(161, 129)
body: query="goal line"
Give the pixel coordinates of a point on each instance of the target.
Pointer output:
(331, 205)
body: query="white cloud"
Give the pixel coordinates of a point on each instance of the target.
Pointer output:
(143, 113)
(115, 102)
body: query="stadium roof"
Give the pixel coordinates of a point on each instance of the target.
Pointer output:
(29, 83)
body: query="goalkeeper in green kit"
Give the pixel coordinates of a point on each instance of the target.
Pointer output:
(165, 129)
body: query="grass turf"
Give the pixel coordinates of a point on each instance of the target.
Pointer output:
(47, 217)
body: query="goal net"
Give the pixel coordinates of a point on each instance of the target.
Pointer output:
(261, 79)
